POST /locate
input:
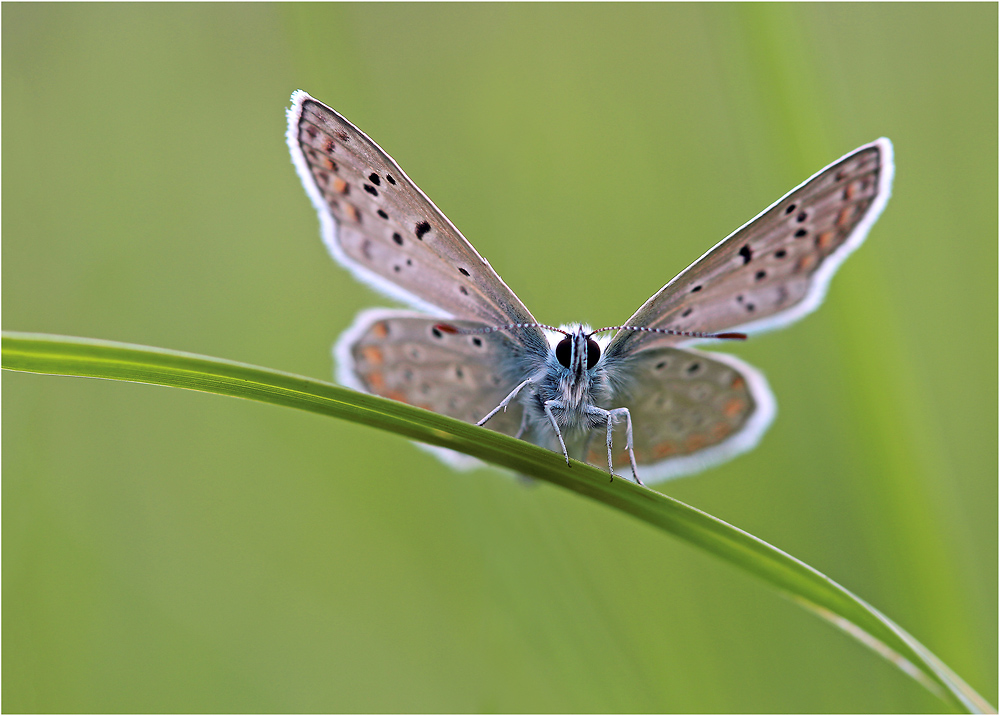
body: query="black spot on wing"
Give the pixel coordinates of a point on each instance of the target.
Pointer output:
(747, 253)
(421, 229)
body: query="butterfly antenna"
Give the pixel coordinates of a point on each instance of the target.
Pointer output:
(672, 332)
(447, 328)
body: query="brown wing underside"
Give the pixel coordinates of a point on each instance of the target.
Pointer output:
(767, 271)
(684, 402)
(386, 226)
(404, 357)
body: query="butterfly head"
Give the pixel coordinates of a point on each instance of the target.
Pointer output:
(575, 348)
(574, 374)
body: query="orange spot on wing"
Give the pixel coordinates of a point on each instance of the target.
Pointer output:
(372, 354)
(664, 449)
(340, 186)
(720, 430)
(824, 240)
(352, 212)
(376, 382)
(695, 442)
(395, 395)
(733, 407)
(850, 190)
(380, 330)
(845, 216)
(737, 383)
(806, 263)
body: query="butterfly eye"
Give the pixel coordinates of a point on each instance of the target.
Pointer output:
(563, 349)
(593, 353)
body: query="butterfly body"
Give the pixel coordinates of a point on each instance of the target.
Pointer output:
(476, 353)
(570, 395)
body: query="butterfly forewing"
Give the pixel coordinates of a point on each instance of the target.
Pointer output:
(689, 410)
(406, 357)
(775, 268)
(382, 227)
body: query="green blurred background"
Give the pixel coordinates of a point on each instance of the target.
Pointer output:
(172, 551)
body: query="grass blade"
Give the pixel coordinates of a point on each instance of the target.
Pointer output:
(83, 357)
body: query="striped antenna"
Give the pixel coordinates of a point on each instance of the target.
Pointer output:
(445, 328)
(672, 332)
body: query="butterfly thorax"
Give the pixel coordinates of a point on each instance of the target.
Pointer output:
(571, 380)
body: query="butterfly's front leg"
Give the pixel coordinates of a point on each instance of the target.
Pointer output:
(503, 406)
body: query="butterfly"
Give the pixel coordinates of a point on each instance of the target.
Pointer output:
(474, 351)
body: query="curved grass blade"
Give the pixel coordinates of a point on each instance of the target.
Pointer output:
(84, 357)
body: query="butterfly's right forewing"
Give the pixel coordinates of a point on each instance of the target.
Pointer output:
(381, 226)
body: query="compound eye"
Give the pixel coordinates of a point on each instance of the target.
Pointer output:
(563, 349)
(593, 353)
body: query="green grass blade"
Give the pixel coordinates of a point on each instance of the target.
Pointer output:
(60, 355)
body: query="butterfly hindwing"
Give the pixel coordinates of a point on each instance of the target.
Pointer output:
(774, 269)
(405, 357)
(689, 410)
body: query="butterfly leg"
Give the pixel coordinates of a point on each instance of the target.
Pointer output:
(609, 417)
(618, 412)
(549, 404)
(503, 405)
